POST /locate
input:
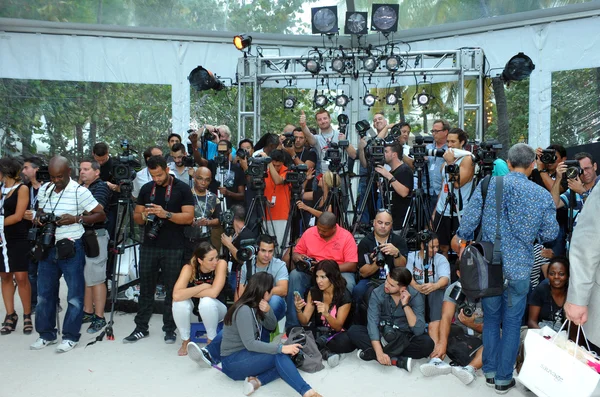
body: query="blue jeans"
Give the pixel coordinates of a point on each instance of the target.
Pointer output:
(32, 274)
(506, 311)
(48, 281)
(266, 367)
(277, 305)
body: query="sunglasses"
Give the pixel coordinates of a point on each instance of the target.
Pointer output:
(379, 211)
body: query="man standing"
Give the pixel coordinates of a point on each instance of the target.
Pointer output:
(228, 178)
(321, 142)
(172, 139)
(300, 152)
(143, 176)
(164, 206)
(527, 213)
(95, 268)
(101, 154)
(182, 172)
(63, 198)
(583, 299)
(206, 212)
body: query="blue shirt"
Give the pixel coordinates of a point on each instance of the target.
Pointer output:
(566, 200)
(528, 213)
(211, 151)
(435, 165)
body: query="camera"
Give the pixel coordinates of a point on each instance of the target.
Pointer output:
(461, 301)
(42, 175)
(379, 256)
(45, 235)
(452, 169)
(208, 135)
(241, 153)
(289, 140)
(305, 264)
(247, 250)
(375, 151)
(298, 359)
(573, 169)
(188, 161)
(548, 156)
(388, 330)
(362, 127)
(296, 174)
(486, 154)
(124, 170)
(226, 217)
(156, 224)
(257, 166)
(419, 150)
(343, 121)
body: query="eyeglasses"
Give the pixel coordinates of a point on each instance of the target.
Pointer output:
(436, 131)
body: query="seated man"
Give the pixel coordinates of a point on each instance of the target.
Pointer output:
(326, 240)
(392, 246)
(395, 331)
(458, 340)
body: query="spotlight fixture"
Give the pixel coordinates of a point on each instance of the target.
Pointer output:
(313, 66)
(423, 98)
(242, 41)
(342, 100)
(338, 64)
(289, 102)
(320, 100)
(356, 23)
(518, 68)
(393, 63)
(370, 63)
(369, 100)
(391, 99)
(324, 20)
(384, 17)
(202, 80)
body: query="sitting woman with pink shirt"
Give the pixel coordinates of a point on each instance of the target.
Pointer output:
(326, 311)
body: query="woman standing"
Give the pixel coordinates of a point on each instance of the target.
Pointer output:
(14, 260)
(332, 302)
(548, 298)
(204, 278)
(244, 355)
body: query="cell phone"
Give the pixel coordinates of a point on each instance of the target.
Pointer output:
(297, 294)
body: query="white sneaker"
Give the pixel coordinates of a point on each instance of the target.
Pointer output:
(66, 345)
(465, 374)
(333, 360)
(40, 343)
(434, 367)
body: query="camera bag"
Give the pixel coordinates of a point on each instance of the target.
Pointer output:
(90, 243)
(481, 262)
(309, 358)
(65, 249)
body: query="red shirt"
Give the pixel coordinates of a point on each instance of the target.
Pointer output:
(341, 247)
(281, 209)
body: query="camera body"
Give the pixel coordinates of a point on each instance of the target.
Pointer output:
(375, 151)
(388, 330)
(296, 174)
(362, 127)
(461, 301)
(247, 250)
(452, 169)
(379, 256)
(124, 170)
(257, 166)
(289, 139)
(306, 264)
(44, 235)
(548, 156)
(419, 150)
(573, 169)
(241, 153)
(156, 224)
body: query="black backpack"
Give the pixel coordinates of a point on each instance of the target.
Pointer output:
(481, 262)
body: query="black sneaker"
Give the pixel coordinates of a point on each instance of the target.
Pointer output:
(503, 389)
(87, 317)
(170, 337)
(97, 324)
(200, 355)
(367, 354)
(490, 382)
(135, 336)
(404, 363)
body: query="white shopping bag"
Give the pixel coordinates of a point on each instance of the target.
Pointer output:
(550, 371)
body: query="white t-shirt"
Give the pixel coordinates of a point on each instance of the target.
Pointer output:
(440, 268)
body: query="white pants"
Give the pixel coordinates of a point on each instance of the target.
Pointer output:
(211, 310)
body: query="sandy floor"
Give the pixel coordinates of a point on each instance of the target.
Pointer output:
(152, 368)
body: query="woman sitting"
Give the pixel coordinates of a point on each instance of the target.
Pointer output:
(320, 197)
(332, 302)
(547, 300)
(244, 355)
(204, 277)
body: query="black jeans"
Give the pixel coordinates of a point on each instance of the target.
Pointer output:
(420, 346)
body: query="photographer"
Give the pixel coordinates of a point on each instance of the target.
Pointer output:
(322, 141)
(164, 207)
(326, 240)
(581, 179)
(325, 182)
(277, 193)
(100, 152)
(172, 139)
(457, 186)
(228, 178)
(394, 333)
(143, 176)
(233, 240)
(245, 150)
(378, 253)
(400, 179)
(461, 340)
(295, 146)
(61, 204)
(206, 212)
(182, 165)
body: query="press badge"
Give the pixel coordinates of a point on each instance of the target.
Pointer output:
(273, 198)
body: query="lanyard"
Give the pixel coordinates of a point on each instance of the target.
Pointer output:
(167, 193)
(33, 198)
(255, 267)
(205, 202)
(259, 326)
(50, 198)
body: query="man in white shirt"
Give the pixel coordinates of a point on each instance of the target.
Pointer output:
(143, 176)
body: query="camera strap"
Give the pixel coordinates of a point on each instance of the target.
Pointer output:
(57, 201)
(198, 202)
(167, 193)
(258, 325)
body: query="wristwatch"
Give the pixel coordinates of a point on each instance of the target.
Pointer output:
(80, 220)
(169, 215)
(398, 255)
(392, 180)
(294, 157)
(585, 195)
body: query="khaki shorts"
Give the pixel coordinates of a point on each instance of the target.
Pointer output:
(94, 271)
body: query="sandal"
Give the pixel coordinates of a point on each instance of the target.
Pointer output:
(10, 324)
(27, 324)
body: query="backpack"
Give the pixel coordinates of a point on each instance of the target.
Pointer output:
(309, 358)
(481, 262)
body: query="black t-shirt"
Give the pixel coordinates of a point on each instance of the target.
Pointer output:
(246, 233)
(404, 175)
(170, 234)
(337, 302)
(106, 174)
(549, 310)
(562, 214)
(368, 244)
(307, 154)
(233, 178)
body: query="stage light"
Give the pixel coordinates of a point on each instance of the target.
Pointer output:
(342, 100)
(423, 98)
(289, 102)
(370, 63)
(518, 68)
(313, 66)
(324, 20)
(393, 63)
(384, 17)
(202, 80)
(321, 100)
(242, 41)
(338, 64)
(356, 23)
(369, 100)
(391, 99)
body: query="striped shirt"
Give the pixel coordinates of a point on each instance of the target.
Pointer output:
(72, 200)
(102, 194)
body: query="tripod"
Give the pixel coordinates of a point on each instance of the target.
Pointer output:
(363, 204)
(124, 239)
(259, 203)
(418, 210)
(336, 200)
(295, 222)
(571, 218)
(450, 201)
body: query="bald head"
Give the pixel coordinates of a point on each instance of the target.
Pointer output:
(60, 172)
(327, 219)
(326, 225)
(202, 178)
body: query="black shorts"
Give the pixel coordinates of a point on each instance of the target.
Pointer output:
(445, 229)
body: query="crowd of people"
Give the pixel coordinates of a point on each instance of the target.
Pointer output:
(243, 249)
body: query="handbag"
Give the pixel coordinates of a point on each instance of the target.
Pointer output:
(309, 357)
(553, 371)
(90, 243)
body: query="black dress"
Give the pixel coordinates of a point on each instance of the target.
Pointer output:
(15, 248)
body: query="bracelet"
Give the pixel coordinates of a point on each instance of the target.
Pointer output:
(403, 306)
(392, 180)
